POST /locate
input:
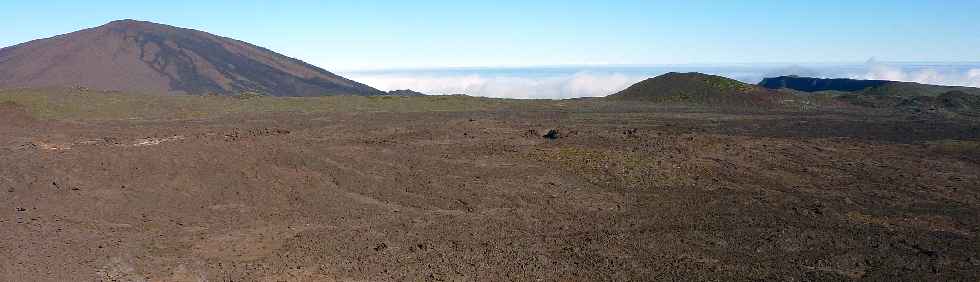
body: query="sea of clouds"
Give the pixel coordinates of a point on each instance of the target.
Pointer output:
(597, 81)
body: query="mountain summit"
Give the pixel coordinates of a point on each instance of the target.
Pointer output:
(129, 55)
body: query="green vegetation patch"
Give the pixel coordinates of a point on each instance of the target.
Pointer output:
(724, 84)
(962, 147)
(76, 104)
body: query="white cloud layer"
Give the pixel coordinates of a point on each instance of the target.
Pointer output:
(926, 75)
(547, 83)
(581, 84)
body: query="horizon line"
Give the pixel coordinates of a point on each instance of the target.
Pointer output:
(723, 64)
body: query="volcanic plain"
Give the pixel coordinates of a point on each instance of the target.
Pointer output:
(121, 187)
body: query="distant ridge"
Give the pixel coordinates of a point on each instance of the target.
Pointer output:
(866, 87)
(698, 88)
(809, 84)
(884, 94)
(139, 56)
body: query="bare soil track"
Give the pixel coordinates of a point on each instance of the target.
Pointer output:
(675, 195)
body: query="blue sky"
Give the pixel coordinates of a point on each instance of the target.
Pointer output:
(351, 35)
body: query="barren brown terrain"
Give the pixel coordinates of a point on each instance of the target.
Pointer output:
(621, 193)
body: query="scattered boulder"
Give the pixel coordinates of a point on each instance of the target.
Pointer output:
(111, 140)
(531, 133)
(552, 134)
(240, 134)
(630, 132)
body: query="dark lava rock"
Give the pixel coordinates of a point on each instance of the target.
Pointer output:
(630, 132)
(530, 133)
(552, 134)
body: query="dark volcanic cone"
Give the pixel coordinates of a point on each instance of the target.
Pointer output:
(699, 88)
(141, 56)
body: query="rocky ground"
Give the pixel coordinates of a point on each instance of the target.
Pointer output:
(482, 195)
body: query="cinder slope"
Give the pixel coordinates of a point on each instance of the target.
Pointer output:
(130, 55)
